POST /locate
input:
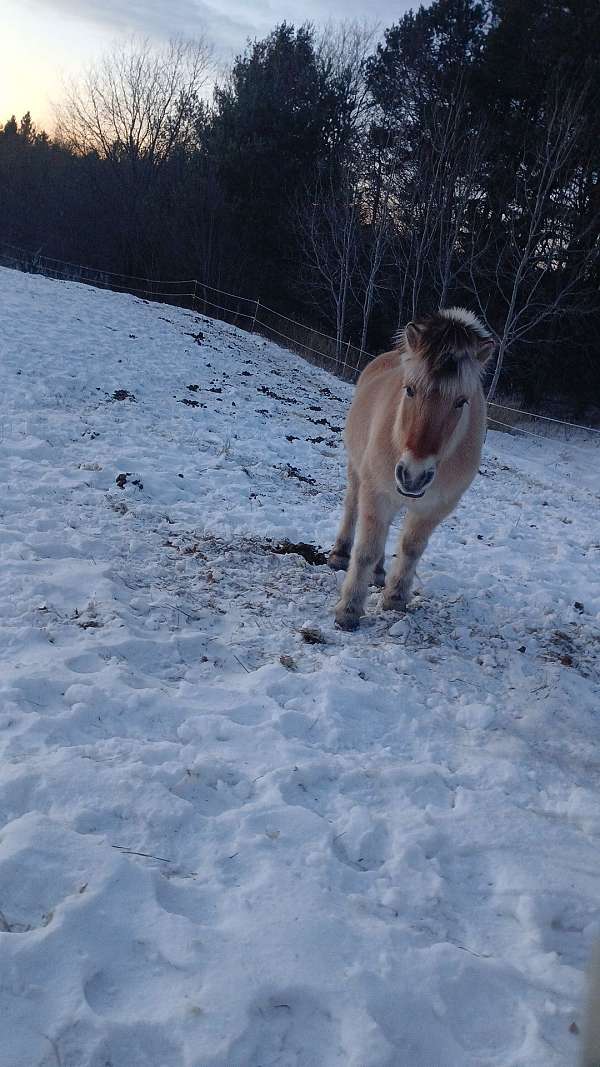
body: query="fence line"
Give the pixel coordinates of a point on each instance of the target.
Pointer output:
(546, 418)
(197, 299)
(235, 314)
(312, 329)
(295, 341)
(540, 437)
(95, 270)
(114, 287)
(161, 281)
(199, 302)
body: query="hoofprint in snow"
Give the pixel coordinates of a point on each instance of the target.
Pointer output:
(382, 851)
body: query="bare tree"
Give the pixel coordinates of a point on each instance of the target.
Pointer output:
(135, 110)
(547, 246)
(432, 192)
(328, 229)
(460, 153)
(375, 240)
(137, 104)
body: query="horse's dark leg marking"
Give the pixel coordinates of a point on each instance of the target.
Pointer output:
(339, 557)
(373, 524)
(412, 542)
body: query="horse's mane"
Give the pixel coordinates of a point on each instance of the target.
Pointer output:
(445, 350)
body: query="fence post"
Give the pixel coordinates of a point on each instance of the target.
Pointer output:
(194, 297)
(345, 363)
(255, 314)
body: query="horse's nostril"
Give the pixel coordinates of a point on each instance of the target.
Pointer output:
(413, 484)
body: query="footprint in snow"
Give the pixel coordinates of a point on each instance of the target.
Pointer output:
(213, 787)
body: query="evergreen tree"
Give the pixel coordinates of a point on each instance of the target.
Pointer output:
(277, 122)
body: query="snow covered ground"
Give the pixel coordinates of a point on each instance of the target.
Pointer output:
(383, 851)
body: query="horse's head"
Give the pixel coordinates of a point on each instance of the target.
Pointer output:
(442, 359)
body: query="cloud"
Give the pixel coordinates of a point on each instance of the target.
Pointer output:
(154, 18)
(227, 23)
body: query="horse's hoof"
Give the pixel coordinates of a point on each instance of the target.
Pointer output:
(347, 620)
(393, 603)
(338, 562)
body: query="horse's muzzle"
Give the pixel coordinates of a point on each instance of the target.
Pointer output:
(408, 485)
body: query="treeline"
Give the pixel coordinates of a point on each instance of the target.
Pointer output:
(349, 182)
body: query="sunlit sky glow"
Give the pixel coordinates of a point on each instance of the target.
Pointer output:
(45, 42)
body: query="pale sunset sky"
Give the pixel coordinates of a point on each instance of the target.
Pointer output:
(45, 42)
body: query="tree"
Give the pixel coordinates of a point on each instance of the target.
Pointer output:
(328, 224)
(134, 111)
(10, 130)
(278, 120)
(138, 105)
(348, 185)
(539, 261)
(430, 144)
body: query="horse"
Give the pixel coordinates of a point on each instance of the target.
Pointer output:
(413, 438)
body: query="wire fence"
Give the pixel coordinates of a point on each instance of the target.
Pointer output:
(538, 436)
(545, 418)
(342, 358)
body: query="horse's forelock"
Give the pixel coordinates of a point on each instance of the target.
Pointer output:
(445, 359)
(453, 378)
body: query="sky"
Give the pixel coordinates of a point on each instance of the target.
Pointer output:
(45, 42)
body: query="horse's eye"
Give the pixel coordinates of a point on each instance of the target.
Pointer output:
(409, 390)
(461, 402)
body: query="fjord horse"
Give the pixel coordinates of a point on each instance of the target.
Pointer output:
(413, 437)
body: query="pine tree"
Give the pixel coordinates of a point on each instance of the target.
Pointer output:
(276, 122)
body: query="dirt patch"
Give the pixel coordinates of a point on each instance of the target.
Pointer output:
(324, 422)
(276, 396)
(209, 546)
(123, 394)
(312, 635)
(327, 392)
(310, 553)
(123, 479)
(293, 472)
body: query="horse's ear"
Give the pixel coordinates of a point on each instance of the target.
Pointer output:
(485, 349)
(413, 334)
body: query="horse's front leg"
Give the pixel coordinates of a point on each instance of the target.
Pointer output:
(339, 557)
(374, 518)
(412, 543)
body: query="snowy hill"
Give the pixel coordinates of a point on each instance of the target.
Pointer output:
(382, 851)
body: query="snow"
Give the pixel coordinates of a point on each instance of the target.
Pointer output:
(382, 854)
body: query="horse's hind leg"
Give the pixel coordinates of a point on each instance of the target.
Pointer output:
(372, 528)
(339, 557)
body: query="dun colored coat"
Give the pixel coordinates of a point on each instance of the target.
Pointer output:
(413, 436)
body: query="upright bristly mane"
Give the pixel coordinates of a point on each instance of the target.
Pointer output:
(445, 351)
